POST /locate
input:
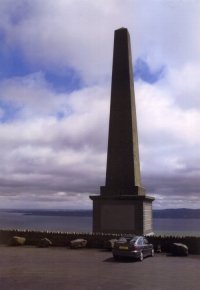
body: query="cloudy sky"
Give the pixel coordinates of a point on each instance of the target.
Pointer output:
(55, 76)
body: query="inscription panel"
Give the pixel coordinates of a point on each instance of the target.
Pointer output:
(116, 217)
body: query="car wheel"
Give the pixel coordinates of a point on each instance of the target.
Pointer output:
(152, 252)
(141, 257)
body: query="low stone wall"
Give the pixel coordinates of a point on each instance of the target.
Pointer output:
(59, 239)
(95, 240)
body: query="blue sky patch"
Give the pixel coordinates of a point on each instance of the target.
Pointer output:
(142, 71)
(2, 35)
(14, 64)
(20, 12)
(65, 81)
(10, 111)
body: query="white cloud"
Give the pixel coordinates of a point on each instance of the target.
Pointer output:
(45, 154)
(169, 138)
(184, 84)
(31, 95)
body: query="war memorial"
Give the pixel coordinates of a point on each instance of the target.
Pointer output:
(122, 206)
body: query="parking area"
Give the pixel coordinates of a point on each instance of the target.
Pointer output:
(30, 268)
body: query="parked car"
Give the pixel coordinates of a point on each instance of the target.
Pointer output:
(132, 246)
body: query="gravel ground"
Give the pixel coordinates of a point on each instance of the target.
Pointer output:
(29, 268)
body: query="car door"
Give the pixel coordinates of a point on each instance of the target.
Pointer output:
(140, 244)
(146, 247)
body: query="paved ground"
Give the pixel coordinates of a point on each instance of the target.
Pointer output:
(29, 268)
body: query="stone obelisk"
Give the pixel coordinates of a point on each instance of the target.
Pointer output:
(122, 206)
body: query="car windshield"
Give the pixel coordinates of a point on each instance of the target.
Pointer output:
(130, 239)
(134, 240)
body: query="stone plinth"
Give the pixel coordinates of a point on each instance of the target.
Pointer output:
(122, 214)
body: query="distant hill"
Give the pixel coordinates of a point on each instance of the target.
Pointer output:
(48, 212)
(80, 213)
(178, 213)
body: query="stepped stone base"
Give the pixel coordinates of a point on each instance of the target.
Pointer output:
(122, 214)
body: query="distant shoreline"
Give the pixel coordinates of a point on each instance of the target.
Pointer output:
(181, 213)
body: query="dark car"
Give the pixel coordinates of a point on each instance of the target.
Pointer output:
(132, 246)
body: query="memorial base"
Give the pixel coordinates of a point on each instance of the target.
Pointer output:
(122, 214)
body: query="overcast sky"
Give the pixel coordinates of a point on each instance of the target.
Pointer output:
(55, 78)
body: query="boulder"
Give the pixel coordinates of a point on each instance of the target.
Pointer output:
(158, 248)
(179, 249)
(44, 243)
(109, 244)
(78, 243)
(17, 241)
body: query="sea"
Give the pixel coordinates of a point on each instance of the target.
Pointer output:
(75, 221)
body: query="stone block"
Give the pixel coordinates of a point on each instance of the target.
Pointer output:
(109, 245)
(78, 243)
(17, 241)
(178, 249)
(44, 243)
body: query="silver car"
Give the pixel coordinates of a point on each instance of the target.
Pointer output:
(132, 246)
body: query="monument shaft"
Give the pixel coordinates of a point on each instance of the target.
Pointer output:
(122, 206)
(123, 168)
